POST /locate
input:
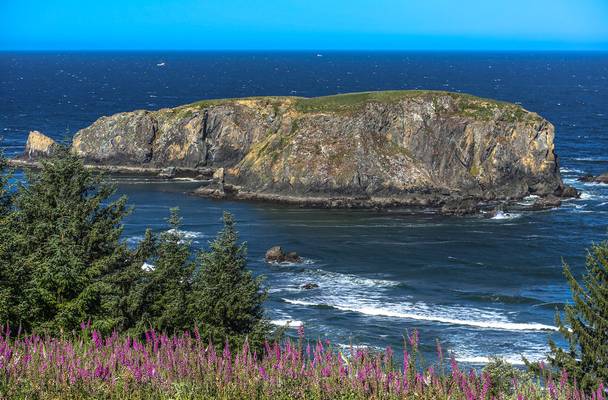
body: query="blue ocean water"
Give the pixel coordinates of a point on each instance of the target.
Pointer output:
(481, 286)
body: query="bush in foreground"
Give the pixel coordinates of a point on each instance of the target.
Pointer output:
(186, 367)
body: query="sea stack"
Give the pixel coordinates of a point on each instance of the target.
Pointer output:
(38, 145)
(375, 149)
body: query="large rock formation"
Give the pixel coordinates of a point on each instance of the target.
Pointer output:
(362, 149)
(38, 145)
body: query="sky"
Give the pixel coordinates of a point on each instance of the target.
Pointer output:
(304, 25)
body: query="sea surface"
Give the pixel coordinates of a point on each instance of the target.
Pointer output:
(481, 286)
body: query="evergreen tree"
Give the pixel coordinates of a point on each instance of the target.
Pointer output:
(5, 194)
(10, 279)
(226, 299)
(586, 323)
(64, 245)
(159, 299)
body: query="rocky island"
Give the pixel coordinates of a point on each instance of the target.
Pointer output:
(443, 150)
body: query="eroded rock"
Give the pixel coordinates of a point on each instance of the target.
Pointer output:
(276, 254)
(377, 149)
(38, 145)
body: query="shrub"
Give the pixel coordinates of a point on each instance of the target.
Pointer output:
(505, 378)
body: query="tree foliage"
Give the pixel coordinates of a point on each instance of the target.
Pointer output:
(160, 297)
(63, 262)
(585, 323)
(226, 298)
(62, 242)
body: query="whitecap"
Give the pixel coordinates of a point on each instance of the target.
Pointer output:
(289, 323)
(397, 311)
(505, 215)
(511, 359)
(341, 279)
(187, 234)
(565, 170)
(305, 261)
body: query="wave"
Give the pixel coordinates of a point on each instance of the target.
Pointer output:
(357, 280)
(591, 196)
(564, 170)
(289, 323)
(393, 313)
(305, 261)
(285, 289)
(479, 360)
(187, 234)
(591, 159)
(505, 215)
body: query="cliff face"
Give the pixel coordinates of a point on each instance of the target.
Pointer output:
(407, 145)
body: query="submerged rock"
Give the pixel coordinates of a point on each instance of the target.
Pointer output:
(376, 149)
(276, 254)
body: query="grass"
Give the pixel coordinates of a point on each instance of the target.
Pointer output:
(476, 107)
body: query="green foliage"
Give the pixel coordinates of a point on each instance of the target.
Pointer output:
(160, 296)
(504, 376)
(585, 325)
(60, 243)
(226, 298)
(5, 194)
(63, 262)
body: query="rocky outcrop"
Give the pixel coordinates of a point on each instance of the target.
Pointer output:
(276, 254)
(310, 286)
(377, 149)
(602, 178)
(38, 145)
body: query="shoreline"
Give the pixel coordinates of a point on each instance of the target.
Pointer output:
(211, 187)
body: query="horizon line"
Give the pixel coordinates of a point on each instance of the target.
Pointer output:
(307, 50)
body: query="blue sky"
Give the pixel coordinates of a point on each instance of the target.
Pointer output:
(304, 24)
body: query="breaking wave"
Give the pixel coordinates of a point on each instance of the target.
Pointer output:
(398, 312)
(505, 215)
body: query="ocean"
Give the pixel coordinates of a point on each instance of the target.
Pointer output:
(481, 286)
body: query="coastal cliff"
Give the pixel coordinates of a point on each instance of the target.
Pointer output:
(354, 150)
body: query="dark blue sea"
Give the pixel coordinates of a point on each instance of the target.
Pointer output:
(481, 286)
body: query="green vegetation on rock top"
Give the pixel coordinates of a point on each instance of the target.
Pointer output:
(469, 105)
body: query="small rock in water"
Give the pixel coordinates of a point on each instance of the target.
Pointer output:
(602, 178)
(277, 254)
(310, 285)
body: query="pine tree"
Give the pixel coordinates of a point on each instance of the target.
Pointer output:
(159, 298)
(65, 238)
(5, 194)
(10, 279)
(586, 323)
(226, 299)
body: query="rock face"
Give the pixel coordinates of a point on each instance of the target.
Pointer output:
(356, 150)
(38, 145)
